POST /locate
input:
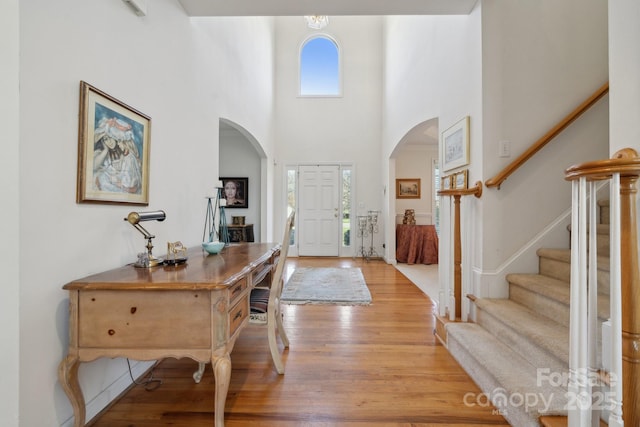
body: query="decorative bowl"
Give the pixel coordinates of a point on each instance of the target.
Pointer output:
(213, 247)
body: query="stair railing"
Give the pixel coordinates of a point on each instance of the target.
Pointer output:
(623, 400)
(456, 312)
(497, 180)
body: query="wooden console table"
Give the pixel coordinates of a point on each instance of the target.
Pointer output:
(416, 244)
(194, 310)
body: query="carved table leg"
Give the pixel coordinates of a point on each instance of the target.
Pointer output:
(222, 372)
(197, 375)
(68, 377)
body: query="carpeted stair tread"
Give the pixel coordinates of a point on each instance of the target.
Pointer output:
(518, 342)
(601, 229)
(555, 289)
(602, 237)
(556, 263)
(559, 254)
(529, 331)
(564, 255)
(501, 372)
(605, 212)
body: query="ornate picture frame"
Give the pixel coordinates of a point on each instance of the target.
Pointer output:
(236, 192)
(445, 182)
(455, 145)
(408, 188)
(461, 180)
(113, 150)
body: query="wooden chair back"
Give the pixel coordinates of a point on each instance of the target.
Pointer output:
(274, 315)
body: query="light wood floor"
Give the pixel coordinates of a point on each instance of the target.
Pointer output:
(377, 365)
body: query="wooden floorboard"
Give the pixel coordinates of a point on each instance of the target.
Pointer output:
(376, 365)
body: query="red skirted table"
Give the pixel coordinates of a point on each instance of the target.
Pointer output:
(416, 244)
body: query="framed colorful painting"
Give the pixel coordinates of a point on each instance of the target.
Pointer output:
(113, 150)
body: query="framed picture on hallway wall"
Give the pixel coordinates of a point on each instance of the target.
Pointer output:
(113, 150)
(455, 143)
(236, 192)
(408, 188)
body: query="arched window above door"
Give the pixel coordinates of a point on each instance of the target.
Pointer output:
(320, 67)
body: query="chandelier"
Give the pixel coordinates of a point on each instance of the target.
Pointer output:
(316, 22)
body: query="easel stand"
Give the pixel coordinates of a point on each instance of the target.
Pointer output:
(212, 230)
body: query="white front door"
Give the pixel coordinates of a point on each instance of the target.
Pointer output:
(319, 221)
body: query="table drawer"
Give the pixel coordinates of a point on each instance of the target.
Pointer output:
(237, 290)
(144, 319)
(237, 314)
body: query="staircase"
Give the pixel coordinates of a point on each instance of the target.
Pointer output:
(518, 349)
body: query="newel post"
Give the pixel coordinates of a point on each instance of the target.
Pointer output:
(457, 257)
(457, 244)
(630, 302)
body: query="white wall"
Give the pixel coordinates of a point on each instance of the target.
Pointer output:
(342, 129)
(185, 79)
(624, 71)
(432, 70)
(540, 60)
(239, 159)
(10, 213)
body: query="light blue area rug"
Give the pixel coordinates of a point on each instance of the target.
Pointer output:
(339, 286)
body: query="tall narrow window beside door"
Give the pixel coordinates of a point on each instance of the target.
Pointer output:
(346, 206)
(291, 199)
(320, 67)
(435, 170)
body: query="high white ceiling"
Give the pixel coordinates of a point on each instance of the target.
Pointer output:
(424, 133)
(325, 7)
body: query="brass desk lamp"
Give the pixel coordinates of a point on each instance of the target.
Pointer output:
(135, 218)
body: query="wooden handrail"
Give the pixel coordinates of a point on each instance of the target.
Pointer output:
(476, 191)
(497, 180)
(625, 162)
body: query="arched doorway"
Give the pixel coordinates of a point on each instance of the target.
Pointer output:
(416, 159)
(242, 157)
